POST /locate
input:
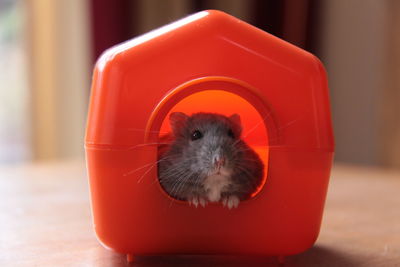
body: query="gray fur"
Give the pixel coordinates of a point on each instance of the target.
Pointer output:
(186, 164)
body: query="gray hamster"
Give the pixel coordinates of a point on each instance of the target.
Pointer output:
(208, 161)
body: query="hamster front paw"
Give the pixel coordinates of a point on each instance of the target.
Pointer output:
(196, 200)
(230, 201)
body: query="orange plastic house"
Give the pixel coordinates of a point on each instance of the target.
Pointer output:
(209, 62)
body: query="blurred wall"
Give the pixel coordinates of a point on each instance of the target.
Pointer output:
(59, 44)
(154, 13)
(357, 40)
(390, 106)
(14, 97)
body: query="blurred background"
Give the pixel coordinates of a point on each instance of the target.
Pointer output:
(48, 49)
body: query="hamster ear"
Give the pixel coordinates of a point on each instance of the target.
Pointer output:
(235, 119)
(177, 121)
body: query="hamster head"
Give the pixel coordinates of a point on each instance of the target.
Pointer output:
(207, 160)
(207, 143)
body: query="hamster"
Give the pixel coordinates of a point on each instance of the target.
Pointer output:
(208, 161)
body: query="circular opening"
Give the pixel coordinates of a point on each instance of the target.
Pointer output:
(221, 95)
(254, 132)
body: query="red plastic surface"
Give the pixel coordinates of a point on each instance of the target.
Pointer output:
(209, 61)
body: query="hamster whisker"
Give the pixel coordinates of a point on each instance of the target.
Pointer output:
(137, 169)
(242, 167)
(172, 192)
(252, 129)
(153, 164)
(145, 165)
(169, 159)
(244, 150)
(259, 145)
(239, 147)
(145, 144)
(249, 148)
(288, 124)
(246, 166)
(171, 174)
(236, 144)
(183, 178)
(143, 130)
(141, 177)
(256, 125)
(182, 183)
(178, 184)
(250, 160)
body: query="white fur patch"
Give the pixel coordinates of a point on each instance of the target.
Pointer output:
(231, 202)
(214, 185)
(197, 201)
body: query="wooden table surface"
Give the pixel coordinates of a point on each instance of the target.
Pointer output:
(45, 221)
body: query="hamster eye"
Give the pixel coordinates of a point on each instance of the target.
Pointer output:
(196, 135)
(231, 134)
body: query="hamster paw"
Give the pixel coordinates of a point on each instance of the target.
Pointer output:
(230, 202)
(196, 200)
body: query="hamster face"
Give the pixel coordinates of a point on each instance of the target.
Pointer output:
(209, 144)
(205, 155)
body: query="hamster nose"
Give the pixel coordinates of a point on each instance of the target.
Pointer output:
(219, 162)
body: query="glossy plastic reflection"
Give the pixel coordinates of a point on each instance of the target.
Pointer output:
(182, 66)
